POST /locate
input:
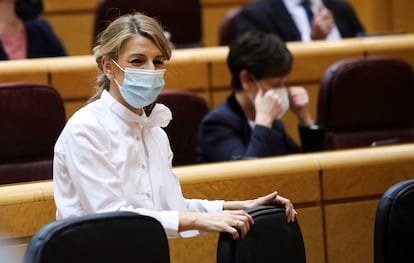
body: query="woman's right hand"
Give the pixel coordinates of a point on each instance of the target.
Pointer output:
(268, 105)
(235, 222)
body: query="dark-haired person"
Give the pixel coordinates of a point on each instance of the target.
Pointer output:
(23, 34)
(247, 124)
(301, 20)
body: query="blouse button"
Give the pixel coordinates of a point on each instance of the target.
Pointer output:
(148, 195)
(142, 166)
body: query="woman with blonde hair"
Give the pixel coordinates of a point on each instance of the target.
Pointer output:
(113, 155)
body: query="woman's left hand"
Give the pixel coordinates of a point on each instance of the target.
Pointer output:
(275, 199)
(299, 105)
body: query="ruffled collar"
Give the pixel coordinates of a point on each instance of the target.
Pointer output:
(160, 115)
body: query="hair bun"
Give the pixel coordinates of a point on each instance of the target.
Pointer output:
(28, 9)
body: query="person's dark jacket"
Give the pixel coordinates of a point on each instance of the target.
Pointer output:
(41, 41)
(272, 16)
(225, 134)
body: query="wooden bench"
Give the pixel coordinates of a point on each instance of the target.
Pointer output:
(73, 20)
(204, 70)
(335, 193)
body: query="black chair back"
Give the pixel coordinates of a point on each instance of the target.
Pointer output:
(270, 239)
(110, 237)
(394, 225)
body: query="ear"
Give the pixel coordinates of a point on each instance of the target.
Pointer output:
(107, 67)
(245, 79)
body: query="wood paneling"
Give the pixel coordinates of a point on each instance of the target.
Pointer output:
(349, 232)
(205, 72)
(335, 193)
(73, 20)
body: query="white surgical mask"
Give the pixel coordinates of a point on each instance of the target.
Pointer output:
(141, 87)
(283, 96)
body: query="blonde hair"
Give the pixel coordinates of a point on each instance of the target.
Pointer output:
(121, 29)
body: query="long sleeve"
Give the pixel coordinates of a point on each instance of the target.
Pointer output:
(225, 134)
(312, 138)
(108, 159)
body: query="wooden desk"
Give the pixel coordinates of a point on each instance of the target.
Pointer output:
(204, 70)
(73, 20)
(335, 193)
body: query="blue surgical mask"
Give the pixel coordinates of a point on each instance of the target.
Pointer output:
(141, 87)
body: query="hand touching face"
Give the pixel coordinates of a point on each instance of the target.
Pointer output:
(270, 100)
(299, 104)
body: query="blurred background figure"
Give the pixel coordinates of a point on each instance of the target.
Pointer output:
(301, 20)
(248, 124)
(23, 34)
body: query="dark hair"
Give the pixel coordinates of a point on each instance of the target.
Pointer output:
(28, 9)
(261, 54)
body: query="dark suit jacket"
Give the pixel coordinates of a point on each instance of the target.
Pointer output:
(272, 16)
(41, 41)
(225, 135)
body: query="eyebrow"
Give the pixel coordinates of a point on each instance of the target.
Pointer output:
(144, 55)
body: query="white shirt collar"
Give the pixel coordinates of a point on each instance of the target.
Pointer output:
(160, 115)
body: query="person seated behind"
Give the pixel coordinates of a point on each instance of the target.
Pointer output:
(328, 19)
(247, 124)
(24, 35)
(113, 155)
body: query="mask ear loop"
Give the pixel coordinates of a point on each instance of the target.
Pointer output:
(118, 65)
(113, 76)
(256, 83)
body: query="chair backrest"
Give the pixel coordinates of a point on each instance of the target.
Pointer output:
(188, 109)
(367, 102)
(181, 18)
(270, 239)
(110, 237)
(394, 225)
(227, 32)
(31, 118)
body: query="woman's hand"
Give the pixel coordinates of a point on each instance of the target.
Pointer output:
(299, 104)
(268, 106)
(275, 199)
(235, 222)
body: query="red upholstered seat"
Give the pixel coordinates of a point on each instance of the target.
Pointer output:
(188, 109)
(227, 31)
(367, 101)
(181, 18)
(31, 118)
